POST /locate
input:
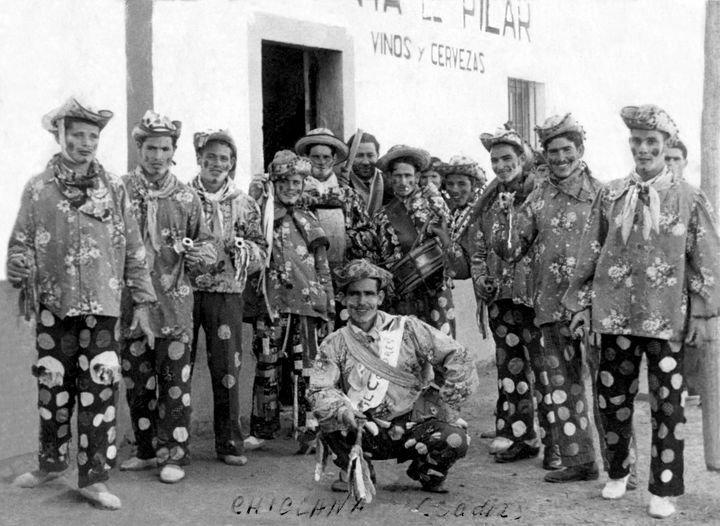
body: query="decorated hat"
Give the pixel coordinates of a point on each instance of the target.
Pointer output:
(156, 125)
(324, 137)
(501, 136)
(649, 117)
(462, 165)
(557, 125)
(200, 139)
(433, 165)
(399, 151)
(76, 110)
(286, 162)
(358, 269)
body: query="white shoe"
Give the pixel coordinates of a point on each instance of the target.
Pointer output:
(233, 460)
(138, 464)
(33, 479)
(99, 495)
(253, 442)
(172, 473)
(500, 444)
(615, 488)
(660, 507)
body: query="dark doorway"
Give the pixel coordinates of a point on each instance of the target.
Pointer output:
(302, 90)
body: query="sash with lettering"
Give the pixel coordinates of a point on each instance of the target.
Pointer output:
(376, 372)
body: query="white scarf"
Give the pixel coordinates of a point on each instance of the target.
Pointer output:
(648, 193)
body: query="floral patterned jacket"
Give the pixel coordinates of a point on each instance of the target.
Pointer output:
(178, 216)
(514, 280)
(423, 351)
(648, 287)
(298, 278)
(466, 237)
(83, 257)
(241, 214)
(550, 223)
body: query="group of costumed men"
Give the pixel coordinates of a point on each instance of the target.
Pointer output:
(121, 274)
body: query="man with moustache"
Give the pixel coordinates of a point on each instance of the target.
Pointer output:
(365, 178)
(507, 289)
(74, 247)
(550, 223)
(234, 220)
(413, 217)
(648, 268)
(369, 377)
(176, 240)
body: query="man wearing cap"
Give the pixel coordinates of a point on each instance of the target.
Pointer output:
(364, 177)
(506, 289)
(412, 219)
(233, 218)
(74, 247)
(176, 240)
(340, 209)
(648, 269)
(550, 223)
(373, 377)
(300, 302)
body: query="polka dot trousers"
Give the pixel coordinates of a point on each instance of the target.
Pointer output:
(516, 339)
(617, 387)
(77, 358)
(220, 316)
(432, 446)
(157, 382)
(565, 398)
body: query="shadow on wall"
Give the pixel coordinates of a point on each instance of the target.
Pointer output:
(18, 392)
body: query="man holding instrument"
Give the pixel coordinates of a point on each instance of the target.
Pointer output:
(412, 228)
(340, 209)
(375, 374)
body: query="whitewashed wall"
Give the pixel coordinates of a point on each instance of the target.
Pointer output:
(49, 50)
(594, 56)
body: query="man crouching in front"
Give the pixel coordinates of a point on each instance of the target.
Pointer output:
(375, 376)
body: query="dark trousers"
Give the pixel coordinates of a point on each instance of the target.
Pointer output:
(566, 401)
(432, 446)
(220, 316)
(77, 357)
(517, 339)
(157, 383)
(617, 387)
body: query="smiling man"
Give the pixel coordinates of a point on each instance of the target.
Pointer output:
(549, 224)
(506, 289)
(233, 218)
(648, 268)
(375, 374)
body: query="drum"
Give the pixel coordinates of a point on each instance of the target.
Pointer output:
(417, 265)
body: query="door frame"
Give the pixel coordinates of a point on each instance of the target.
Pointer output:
(288, 31)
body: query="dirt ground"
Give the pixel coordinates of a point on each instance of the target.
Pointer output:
(276, 487)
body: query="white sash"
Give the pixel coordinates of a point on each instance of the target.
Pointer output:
(367, 390)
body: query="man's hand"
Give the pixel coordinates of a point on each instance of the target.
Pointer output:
(697, 332)
(485, 288)
(193, 256)
(580, 322)
(351, 418)
(17, 270)
(141, 319)
(441, 232)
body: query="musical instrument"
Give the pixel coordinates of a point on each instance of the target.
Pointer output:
(417, 265)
